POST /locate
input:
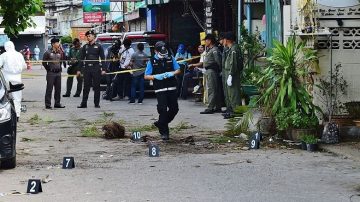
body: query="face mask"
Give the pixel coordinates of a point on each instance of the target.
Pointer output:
(160, 56)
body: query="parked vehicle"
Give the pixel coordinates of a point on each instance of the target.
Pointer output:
(106, 39)
(150, 37)
(8, 124)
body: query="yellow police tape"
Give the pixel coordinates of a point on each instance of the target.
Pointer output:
(117, 72)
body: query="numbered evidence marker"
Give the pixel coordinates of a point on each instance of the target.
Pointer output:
(34, 186)
(258, 136)
(255, 141)
(154, 151)
(136, 136)
(68, 163)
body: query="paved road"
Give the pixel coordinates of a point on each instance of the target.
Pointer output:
(119, 170)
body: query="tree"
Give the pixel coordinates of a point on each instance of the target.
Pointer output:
(16, 15)
(66, 39)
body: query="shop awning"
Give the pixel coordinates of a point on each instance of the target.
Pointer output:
(152, 2)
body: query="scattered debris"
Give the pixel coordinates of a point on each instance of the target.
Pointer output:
(245, 148)
(113, 130)
(46, 179)
(188, 140)
(25, 139)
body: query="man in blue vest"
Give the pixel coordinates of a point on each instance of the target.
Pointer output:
(161, 69)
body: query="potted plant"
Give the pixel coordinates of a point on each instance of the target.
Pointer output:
(296, 123)
(311, 143)
(303, 138)
(331, 89)
(283, 85)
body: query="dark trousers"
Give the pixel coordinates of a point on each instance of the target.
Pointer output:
(186, 80)
(92, 77)
(53, 80)
(137, 82)
(123, 84)
(167, 108)
(69, 82)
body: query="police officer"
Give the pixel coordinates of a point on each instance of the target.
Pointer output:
(212, 64)
(91, 68)
(53, 75)
(224, 53)
(232, 73)
(112, 65)
(74, 55)
(161, 69)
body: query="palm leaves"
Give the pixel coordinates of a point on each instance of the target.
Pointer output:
(283, 82)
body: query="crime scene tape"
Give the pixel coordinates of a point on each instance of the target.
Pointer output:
(106, 60)
(109, 73)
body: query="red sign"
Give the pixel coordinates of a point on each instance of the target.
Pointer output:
(82, 36)
(93, 17)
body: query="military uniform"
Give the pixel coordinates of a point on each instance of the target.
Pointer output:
(223, 77)
(91, 71)
(74, 55)
(233, 68)
(212, 64)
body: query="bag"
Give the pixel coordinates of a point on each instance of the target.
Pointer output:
(330, 133)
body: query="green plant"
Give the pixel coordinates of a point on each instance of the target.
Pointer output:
(309, 139)
(251, 47)
(331, 89)
(240, 122)
(66, 39)
(284, 82)
(34, 120)
(90, 131)
(16, 15)
(287, 118)
(301, 120)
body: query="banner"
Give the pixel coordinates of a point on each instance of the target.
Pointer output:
(96, 5)
(94, 17)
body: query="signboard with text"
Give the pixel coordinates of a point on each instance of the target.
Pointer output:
(93, 17)
(96, 5)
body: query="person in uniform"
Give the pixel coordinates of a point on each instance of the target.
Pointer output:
(232, 73)
(53, 75)
(74, 55)
(224, 52)
(161, 69)
(212, 64)
(92, 69)
(112, 65)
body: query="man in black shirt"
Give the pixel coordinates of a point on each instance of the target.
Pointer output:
(91, 67)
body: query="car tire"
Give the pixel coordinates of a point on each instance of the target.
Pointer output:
(9, 163)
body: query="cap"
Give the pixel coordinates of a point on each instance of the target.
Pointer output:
(90, 32)
(221, 35)
(229, 36)
(160, 47)
(210, 37)
(54, 40)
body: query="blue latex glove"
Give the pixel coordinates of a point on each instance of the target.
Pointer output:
(169, 74)
(159, 76)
